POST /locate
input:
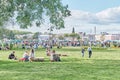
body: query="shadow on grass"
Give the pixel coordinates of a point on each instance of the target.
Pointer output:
(7, 62)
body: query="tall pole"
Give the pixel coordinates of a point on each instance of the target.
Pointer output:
(95, 30)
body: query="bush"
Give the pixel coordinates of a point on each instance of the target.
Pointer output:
(11, 46)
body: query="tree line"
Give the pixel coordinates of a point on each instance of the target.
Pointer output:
(10, 34)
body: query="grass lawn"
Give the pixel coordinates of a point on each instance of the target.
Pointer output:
(104, 65)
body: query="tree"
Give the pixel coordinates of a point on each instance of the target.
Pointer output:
(78, 37)
(61, 37)
(73, 30)
(30, 12)
(66, 35)
(35, 36)
(11, 35)
(25, 37)
(5, 33)
(74, 35)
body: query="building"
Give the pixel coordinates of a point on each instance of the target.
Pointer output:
(43, 37)
(107, 37)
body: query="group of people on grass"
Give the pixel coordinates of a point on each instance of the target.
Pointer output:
(30, 56)
(53, 55)
(89, 52)
(27, 56)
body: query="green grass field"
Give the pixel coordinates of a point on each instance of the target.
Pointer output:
(104, 65)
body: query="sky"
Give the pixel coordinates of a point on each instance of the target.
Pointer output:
(88, 14)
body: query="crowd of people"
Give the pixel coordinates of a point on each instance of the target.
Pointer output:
(30, 56)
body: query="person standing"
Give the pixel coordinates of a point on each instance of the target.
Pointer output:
(82, 51)
(89, 52)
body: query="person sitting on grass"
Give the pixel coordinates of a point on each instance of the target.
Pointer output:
(54, 56)
(25, 57)
(12, 56)
(32, 55)
(48, 51)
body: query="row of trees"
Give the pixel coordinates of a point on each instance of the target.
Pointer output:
(71, 35)
(5, 33)
(10, 34)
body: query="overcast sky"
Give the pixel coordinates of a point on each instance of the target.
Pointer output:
(87, 14)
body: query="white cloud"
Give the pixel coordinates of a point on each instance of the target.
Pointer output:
(82, 16)
(108, 16)
(107, 20)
